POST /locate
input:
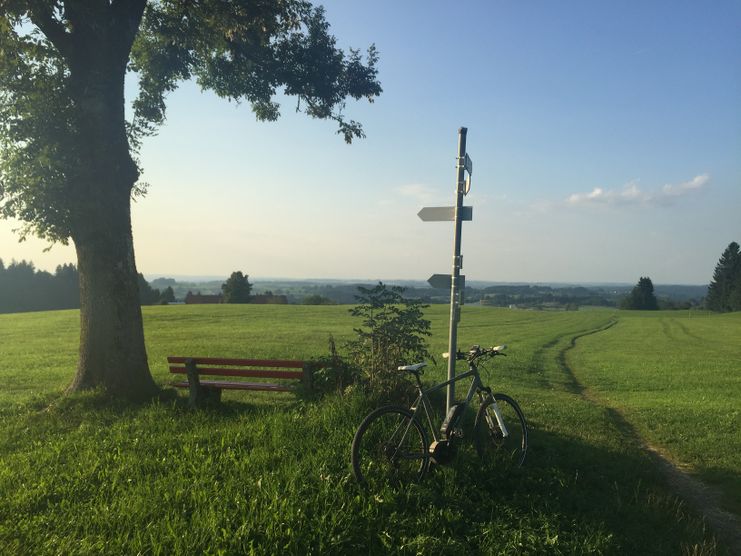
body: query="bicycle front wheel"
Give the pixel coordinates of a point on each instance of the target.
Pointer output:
(389, 447)
(492, 444)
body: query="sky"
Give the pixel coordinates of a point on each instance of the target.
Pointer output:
(605, 139)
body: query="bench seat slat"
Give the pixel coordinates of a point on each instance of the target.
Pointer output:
(266, 386)
(286, 363)
(256, 373)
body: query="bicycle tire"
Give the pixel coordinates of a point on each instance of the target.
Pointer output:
(390, 446)
(492, 447)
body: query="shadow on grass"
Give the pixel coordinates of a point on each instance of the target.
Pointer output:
(570, 497)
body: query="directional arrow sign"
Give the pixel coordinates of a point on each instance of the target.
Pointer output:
(444, 214)
(468, 164)
(442, 281)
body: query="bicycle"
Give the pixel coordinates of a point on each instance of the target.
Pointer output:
(391, 444)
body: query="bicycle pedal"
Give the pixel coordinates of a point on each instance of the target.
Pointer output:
(456, 433)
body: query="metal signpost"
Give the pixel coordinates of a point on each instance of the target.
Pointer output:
(455, 280)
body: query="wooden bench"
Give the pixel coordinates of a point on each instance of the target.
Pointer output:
(291, 373)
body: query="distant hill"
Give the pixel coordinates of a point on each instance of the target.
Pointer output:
(539, 295)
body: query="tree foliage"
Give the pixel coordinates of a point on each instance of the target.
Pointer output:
(393, 332)
(237, 288)
(724, 291)
(242, 50)
(641, 297)
(249, 51)
(23, 288)
(68, 156)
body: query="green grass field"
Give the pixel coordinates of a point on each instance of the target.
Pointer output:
(269, 474)
(677, 378)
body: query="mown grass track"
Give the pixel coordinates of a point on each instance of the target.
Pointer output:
(677, 379)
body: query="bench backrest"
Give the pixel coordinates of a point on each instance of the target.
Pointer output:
(258, 368)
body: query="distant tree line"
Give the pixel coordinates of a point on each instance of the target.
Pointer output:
(23, 288)
(724, 292)
(152, 296)
(536, 296)
(317, 300)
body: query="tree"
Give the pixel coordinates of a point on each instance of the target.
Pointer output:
(641, 297)
(69, 156)
(237, 288)
(723, 293)
(168, 296)
(735, 297)
(67, 288)
(147, 294)
(18, 290)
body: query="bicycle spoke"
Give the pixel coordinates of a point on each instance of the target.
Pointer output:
(491, 443)
(389, 447)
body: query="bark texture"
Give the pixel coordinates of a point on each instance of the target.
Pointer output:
(112, 349)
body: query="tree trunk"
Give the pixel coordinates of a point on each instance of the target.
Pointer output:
(112, 351)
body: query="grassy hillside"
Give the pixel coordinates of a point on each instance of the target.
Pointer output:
(269, 474)
(677, 378)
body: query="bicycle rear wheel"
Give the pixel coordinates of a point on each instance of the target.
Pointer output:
(491, 444)
(390, 446)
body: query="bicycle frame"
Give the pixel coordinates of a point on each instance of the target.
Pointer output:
(422, 401)
(384, 443)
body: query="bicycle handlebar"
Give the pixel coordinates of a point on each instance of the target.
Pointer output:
(477, 351)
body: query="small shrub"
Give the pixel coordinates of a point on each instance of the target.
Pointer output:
(392, 333)
(331, 373)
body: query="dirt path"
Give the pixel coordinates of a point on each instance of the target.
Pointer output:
(705, 499)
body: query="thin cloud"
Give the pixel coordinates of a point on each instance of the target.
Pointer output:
(698, 182)
(632, 194)
(629, 194)
(418, 192)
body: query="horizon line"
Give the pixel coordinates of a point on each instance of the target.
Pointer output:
(199, 278)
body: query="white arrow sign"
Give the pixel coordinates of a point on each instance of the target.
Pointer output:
(442, 281)
(444, 214)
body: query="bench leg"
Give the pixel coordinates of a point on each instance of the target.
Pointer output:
(200, 395)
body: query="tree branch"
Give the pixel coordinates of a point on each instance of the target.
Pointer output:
(42, 16)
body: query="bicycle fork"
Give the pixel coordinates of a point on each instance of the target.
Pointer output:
(500, 419)
(498, 414)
